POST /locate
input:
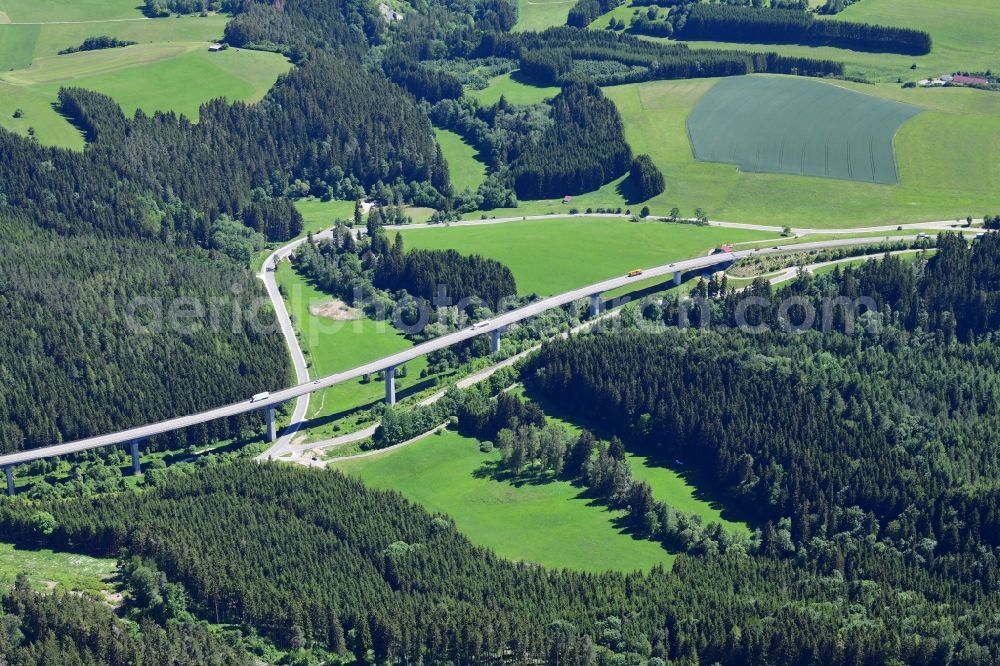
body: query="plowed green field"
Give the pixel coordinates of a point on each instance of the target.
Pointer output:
(786, 125)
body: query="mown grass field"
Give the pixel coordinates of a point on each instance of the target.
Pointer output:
(945, 158)
(18, 11)
(549, 523)
(677, 489)
(155, 77)
(319, 215)
(331, 346)
(465, 169)
(541, 14)
(46, 568)
(964, 34)
(169, 69)
(552, 256)
(20, 44)
(797, 126)
(670, 482)
(515, 89)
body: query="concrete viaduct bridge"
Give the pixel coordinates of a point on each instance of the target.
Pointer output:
(387, 365)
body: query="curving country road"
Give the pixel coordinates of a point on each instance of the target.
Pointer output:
(940, 225)
(303, 389)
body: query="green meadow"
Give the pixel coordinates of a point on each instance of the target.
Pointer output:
(169, 69)
(21, 44)
(963, 31)
(549, 523)
(541, 14)
(331, 346)
(318, 215)
(46, 569)
(24, 11)
(943, 158)
(515, 89)
(465, 169)
(554, 255)
(677, 488)
(670, 482)
(784, 124)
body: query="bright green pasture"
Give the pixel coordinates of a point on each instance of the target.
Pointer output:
(549, 523)
(964, 31)
(555, 255)
(945, 157)
(23, 11)
(331, 346)
(515, 89)
(798, 126)
(155, 77)
(172, 77)
(38, 113)
(17, 45)
(318, 214)
(964, 34)
(20, 44)
(46, 568)
(542, 14)
(465, 170)
(677, 490)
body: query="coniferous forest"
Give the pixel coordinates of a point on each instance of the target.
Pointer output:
(864, 458)
(379, 578)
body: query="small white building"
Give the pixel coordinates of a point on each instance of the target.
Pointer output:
(215, 47)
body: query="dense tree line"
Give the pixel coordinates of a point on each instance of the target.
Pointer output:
(728, 23)
(351, 268)
(322, 121)
(760, 416)
(500, 133)
(425, 273)
(424, 82)
(275, 219)
(60, 627)
(655, 60)
(96, 44)
(371, 575)
(651, 24)
(343, 27)
(781, 420)
(646, 178)
(835, 6)
(105, 334)
(161, 8)
(954, 293)
(584, 12)
(533, 449)
(582, 150)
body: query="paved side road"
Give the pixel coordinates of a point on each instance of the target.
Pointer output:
(941, 225)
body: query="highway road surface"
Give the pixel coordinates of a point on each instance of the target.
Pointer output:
(499, 322)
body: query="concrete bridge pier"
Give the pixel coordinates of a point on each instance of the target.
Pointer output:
(390, 385)
(595, 305)
(678, 278)
(136, 467)
(495, 340)
(272, 431)
(9, 472)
